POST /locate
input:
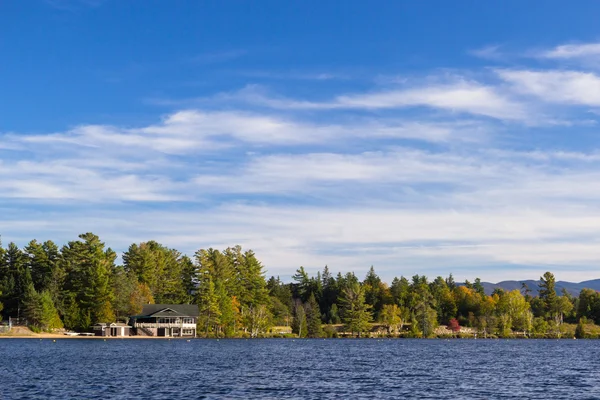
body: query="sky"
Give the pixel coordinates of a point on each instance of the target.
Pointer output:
(427, 137)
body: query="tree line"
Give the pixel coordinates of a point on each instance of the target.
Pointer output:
(80, 284)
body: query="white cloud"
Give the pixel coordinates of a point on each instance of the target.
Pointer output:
(365, 180)
(459, 96)
(463, 97)
(490, 52)
(567, 87)
(396, 240)
(583, 51)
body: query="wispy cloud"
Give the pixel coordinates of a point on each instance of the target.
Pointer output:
(490, 52)
(218, 57)
(433, 174)
(557, 86)
(73, 5)
(459, 97)
(582, 51)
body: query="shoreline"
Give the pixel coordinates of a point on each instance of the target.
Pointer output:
(57, 336)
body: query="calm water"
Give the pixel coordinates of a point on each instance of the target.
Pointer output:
(299, 369)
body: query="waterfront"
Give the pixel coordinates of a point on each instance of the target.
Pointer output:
(299, 369)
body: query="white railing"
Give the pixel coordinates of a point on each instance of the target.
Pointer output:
(162, 325)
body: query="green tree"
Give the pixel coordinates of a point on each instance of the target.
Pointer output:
(40, 311)
(313, 317)
(443, 300)
(375, 291)
(87, 289)
(302, 284)
(391, 317)
(15, 280)
(209, 309)
(547, 293)
(164, 270)
(589, 300)
(426, 318)
(329, 296)
(580, 332)
(334, 315)
(130, 295)
(399, 291)
(41, 262)
(478, 286)
(514, 312)
(356, 313)
(299, 324)
(250, 287)
(562, 306)
(217, 276)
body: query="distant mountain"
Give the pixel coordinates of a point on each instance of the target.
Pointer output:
(572, 288)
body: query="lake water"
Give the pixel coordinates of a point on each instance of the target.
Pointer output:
(299, 369)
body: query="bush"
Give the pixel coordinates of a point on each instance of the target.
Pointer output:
(330, 331)
(580, 329)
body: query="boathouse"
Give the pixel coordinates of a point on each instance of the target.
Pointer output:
(166, 320)
(116, 329)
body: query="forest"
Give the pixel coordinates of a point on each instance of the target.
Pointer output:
(79, 284)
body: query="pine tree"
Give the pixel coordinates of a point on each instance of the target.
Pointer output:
(479, 287)
(40, 311)
(42, 262)
(313, 318)
(208, 303)
(87, 289)
(356, 313)
(162, 269)
(547, 293)
(302, 284)
(17, 279)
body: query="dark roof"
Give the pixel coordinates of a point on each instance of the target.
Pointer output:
(170, 310)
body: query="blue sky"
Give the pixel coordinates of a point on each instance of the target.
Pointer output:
(419, 137)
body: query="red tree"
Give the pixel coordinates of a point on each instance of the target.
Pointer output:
(453, 325)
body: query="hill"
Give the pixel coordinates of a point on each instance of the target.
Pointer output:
(571, 287)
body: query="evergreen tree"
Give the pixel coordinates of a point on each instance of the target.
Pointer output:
(478, 287)
(547, 293)
(356, 313)
(425, 318)
(40, 311)
(313, 318)
(189, 279)
(209, 309)
(400, 291)
(88, 268)
(374, 291)
(334, 315)
(450, 282)
(251, 289)
(330, 294)
(42, 260)
(303, 284)
(161, 269)
(16, 280)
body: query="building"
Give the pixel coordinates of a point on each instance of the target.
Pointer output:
(116, 329)
(166, 320)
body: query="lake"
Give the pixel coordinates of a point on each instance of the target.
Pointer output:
(299, 369)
